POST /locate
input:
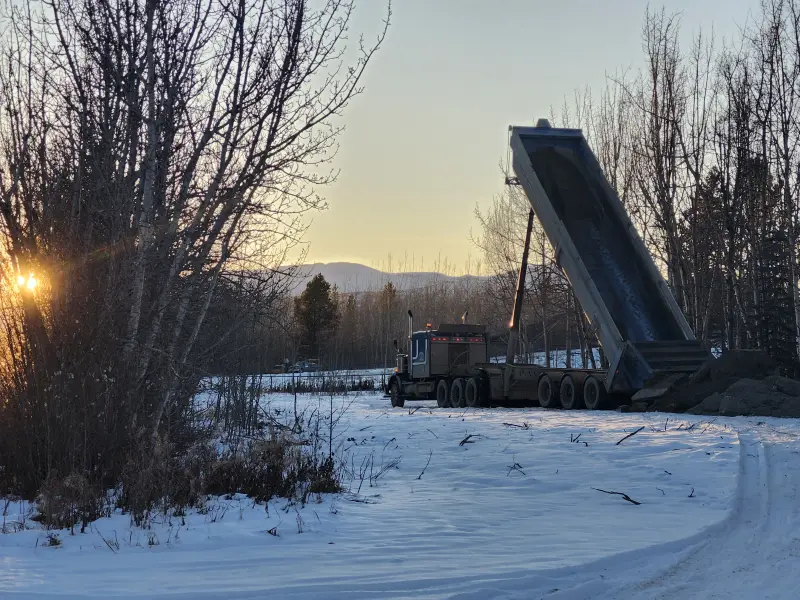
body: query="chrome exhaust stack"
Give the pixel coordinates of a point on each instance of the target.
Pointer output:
(410, 334)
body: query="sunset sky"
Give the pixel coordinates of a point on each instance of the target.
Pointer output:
(424, 142)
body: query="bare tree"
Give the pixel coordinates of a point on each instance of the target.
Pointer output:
(144, 146)
(660, 98)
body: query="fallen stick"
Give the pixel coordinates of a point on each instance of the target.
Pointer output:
(629, 435)
(709, 425)
(624, 496)
(355, 497)
(426, 465)
(577, 440)
(467, 440)
(515, 467)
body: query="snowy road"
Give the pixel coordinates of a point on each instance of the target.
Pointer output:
(753, 553)
(757, 552)
(510, 514)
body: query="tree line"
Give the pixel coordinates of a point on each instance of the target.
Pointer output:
(346, 330)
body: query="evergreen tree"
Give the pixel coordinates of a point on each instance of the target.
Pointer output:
(317, 315)
(777, 314)
(349, 333)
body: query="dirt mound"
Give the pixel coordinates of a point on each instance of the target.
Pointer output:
(739, 364)
(773, 396)
(715, 377)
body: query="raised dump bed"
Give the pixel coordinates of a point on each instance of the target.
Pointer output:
(639, 324)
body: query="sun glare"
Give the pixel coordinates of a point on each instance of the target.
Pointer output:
(27, 283)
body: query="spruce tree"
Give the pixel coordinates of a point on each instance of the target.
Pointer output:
(317, 316)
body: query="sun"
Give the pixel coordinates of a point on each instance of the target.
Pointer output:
(29, 283)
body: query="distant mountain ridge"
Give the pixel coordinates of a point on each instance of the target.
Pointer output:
(353, 277)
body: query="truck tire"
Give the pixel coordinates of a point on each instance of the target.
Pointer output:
(457, 399)
(443, 394)
(548, 394)
(594, 394)
(394, 393)
(472, 393)
(571, 395)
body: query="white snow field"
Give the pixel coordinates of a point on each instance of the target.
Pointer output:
(509, 513)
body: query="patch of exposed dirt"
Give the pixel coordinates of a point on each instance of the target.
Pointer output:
(716, 376)
(774, 396)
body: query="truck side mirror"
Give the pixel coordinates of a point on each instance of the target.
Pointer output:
(395, 343)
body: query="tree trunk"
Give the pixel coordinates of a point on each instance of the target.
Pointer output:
(145, 225)
(568, 341)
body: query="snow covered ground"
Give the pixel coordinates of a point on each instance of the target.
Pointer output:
(471, 504)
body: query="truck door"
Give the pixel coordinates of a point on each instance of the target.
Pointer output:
(419, 355)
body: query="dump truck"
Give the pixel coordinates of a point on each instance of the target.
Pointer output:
(639, 325)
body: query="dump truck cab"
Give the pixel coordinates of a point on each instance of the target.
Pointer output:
(443, 351)
(450, 350)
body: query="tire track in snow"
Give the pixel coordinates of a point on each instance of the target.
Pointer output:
(756, 553)
(752, 553)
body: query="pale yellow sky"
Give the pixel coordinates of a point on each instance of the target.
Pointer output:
(424, 142)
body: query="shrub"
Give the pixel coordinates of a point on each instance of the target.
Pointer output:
(65, 502)
(290, 459)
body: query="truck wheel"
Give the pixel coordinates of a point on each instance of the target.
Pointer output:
(394, 393)
(457, 399)
(472, 393)
(570, 395)
(548, 396)
(442, 394)
(594, 394)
